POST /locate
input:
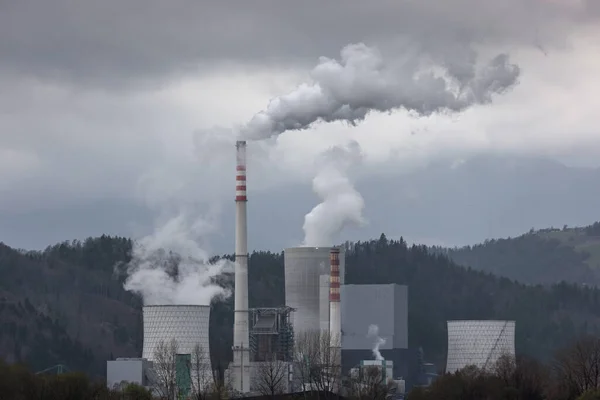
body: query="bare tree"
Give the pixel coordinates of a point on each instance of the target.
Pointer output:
(165, 374)
(306, 357)
(370, 383)
(271, 376)
(222, 385)
(505, 369)
(330, 351)
(202, 378)
(578, 367)
(317, 357)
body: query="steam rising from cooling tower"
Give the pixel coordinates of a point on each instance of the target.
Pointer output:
(379, 341)
(341, 204)
(363, 81)
(170, 267)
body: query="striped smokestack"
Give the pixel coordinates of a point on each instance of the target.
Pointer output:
(335, 314)
(335, 318)
(241, 351)
(334, 276)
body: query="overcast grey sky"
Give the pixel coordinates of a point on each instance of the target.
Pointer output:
(101, 102)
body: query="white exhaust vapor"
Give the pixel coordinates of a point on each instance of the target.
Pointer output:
(170, 267)
(363, 81)
(378, 341)
(341, 204)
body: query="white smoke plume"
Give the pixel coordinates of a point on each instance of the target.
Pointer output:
(341, 204)
(379, 341)
(170, 266)
(362, 81)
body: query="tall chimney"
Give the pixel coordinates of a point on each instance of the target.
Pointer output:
(241, 351)
(335, 312)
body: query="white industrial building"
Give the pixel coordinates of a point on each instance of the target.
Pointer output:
(385, 368)
(385, 375)
(479, 343)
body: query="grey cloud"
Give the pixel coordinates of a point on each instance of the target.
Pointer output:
(482, 198)
(113, 42)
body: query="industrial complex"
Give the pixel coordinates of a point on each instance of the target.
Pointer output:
(316, 300)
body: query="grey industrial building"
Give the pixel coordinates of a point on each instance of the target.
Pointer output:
(385, 306)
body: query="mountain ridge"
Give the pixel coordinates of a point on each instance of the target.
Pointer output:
(91, 318)
(542, 256)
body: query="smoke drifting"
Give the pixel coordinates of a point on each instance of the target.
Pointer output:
(341, 203)
(362, 82)
(374, 333)
(170, 267)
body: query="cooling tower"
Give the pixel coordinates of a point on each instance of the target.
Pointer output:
(188, 325)
(303, 266)
(478, 343)
(324, 302)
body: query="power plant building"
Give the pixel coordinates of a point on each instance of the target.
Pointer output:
(271, 334)
(303, 268)
(385, 306)
(479, 343)
(186, 324)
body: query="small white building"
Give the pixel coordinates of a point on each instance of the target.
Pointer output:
(386, 368)
(128, 370)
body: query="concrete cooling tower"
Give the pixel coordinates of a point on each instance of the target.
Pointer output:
(188, 325)
(479, 343)
(324, 302)
(303, 267)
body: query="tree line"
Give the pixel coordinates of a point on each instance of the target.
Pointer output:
(17, 382)
(572, 374)
(74, 286)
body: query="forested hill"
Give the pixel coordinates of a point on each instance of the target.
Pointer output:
(65, 305)
(543, 256)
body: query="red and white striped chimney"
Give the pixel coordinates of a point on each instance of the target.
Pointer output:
(335, 312)
(241, 343)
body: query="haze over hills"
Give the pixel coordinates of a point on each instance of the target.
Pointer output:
(544, 256)
(66, 305)
(448, 203)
